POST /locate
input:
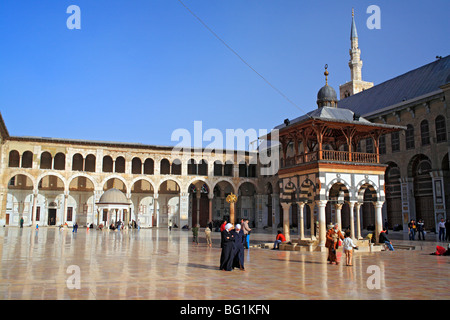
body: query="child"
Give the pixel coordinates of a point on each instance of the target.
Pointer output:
(208, 237)
(348, 248)
(195, 234)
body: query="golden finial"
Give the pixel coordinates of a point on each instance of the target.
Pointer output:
(353, 12)
(326, 73)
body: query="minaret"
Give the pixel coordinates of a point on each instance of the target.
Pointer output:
(356, 84)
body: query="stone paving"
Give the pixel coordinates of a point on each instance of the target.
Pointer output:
(157, 264)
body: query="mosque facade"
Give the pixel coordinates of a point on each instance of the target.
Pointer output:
(341, 163)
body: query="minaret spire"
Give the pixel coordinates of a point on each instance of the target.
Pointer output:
(356, 84)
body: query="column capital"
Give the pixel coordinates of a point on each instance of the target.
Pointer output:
(338, 206)
(378, 204)
(321, 203)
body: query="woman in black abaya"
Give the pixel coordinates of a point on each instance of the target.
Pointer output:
(227, 255)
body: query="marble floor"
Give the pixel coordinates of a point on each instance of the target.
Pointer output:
(157, 264)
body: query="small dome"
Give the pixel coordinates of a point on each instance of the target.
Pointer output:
(113, 196)
(326, 97)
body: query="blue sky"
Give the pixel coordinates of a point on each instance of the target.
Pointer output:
(139, 69)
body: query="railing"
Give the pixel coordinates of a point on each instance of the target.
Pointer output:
(330, 155)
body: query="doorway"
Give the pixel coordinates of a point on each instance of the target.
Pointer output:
(51, 217)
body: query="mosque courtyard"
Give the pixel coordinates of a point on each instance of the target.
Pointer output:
(158, 264)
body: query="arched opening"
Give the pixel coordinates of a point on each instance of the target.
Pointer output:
(228, 168)
(19, 200)
(243, 169)
(59, 163)
(164, 167)
(80, 203)
(51, 188)
(46, 160)
(115, 183)
(149, 166)
(199, 203)
(90, 163)
(423, 191)
(14, 159)
(143, 203)
(220, 208)
(218, 168)
(192, 167)
(176, 167)
(27, 159)
(202, 168)
(393, 190)
(245, 206)
(77, 162)
(120, 165)
(136, 166)
(107, 164)
(169, 204)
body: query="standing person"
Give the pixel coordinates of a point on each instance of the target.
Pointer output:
(280, 238)
(75, 227)
(227, 255)
(447, 230)
(332, 243)
(21, 222)
(170, 225)
(420, 229)
(412, 229)
(208, 236)
(222, 227)
(384, 240)
(247, 230)
(239, 239)
(195, 234)
(441, 227)
(348, 248)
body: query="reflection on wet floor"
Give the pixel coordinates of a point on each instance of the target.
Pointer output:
(158, 264)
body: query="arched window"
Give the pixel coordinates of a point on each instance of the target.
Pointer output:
(192, 167)
(409, 137)
(120, 165)
(441, 129)
(77, 162)
(107, 164)
(228, 169)
(242, 169)
(14, 159)
(136, 166)
(164, 167)
(202, 168)
(90, 163)
(27, 159)
(59, 162)
(218, 168)
(46, 160)
(424, 133)
(176, 166)
(149, 166)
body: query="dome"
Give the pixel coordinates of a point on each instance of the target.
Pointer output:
(326, 97)
(326, 93)
(113, 196)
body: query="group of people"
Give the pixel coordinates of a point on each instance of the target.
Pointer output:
(334, 237)
(232, 244)
(416, 227)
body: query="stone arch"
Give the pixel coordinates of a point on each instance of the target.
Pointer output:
(77, 175)
(115, 176)
(60, 176)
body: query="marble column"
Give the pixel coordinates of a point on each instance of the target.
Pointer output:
(301, 220)
(286, 231)
(358, 220)
(322, 222)
(352, 219)
(338, 208)
(378, 218)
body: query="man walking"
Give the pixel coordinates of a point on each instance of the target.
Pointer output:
(246, 229)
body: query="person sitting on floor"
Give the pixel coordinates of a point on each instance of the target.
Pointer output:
(384, 240)
(280, 239)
